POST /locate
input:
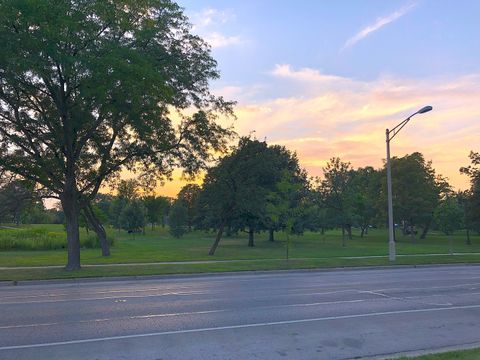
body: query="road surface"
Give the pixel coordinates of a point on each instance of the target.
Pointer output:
(341, 314)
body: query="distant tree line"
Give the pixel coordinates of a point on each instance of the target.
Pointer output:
(262, 188)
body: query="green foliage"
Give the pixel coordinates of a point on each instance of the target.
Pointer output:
(336, 193)
(90, 88)
(178, 219)
(238, 190)
(448, 216)
(42, 239)
(132, 217)
(156, 209)
(471, 198)
(417, 190)
(188, 195)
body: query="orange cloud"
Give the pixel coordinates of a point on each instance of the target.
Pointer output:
(337, 116)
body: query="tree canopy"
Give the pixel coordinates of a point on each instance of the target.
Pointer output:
(89, 88)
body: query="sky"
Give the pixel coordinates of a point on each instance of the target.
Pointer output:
(326, 78)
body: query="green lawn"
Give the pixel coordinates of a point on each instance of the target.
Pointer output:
(308, 251)
(473, 354)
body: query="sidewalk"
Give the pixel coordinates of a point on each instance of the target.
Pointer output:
(227, 261)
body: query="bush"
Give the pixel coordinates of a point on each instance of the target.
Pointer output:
(42, 239)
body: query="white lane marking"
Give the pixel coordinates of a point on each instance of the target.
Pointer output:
(318, 303)
(175, 314)
(230, 327)
(431, 287)
(22, 296)
(417, 299)
(150, 316)
(106, 298)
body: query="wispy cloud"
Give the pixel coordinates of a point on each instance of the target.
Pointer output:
(209, 23)
(378, 24)
(211, 17)
(217, 40)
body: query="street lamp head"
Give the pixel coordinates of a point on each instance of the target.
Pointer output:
(424, 109)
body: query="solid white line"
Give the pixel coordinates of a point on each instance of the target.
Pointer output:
(134, 317)
(47, 295)
(151, 316)
(230, 327)
(105, 298)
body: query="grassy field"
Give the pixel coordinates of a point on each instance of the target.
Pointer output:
(308, 251)
(473, 354)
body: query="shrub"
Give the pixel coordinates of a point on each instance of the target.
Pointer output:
(42, 239)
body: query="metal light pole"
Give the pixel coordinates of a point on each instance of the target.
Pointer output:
(390, 134)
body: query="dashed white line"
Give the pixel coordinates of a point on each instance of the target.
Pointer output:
(243, 326)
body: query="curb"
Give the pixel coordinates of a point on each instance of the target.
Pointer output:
(81, 280)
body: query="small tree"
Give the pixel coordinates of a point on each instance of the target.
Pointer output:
(188, 195)
(448, 216)
(132, 217)
(178, 219)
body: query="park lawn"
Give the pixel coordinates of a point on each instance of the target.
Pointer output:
(472, 354)
(312, 250)
(159, 245)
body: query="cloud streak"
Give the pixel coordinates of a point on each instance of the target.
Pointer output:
(378, 24)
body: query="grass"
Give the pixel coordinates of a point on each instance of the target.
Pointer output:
(311, 250)
(473, 354)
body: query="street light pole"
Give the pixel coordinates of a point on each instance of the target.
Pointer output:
(391, 238)
(390, 134)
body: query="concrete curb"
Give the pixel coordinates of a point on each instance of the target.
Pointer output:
(224, 273)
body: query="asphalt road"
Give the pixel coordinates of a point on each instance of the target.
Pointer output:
(340, 314)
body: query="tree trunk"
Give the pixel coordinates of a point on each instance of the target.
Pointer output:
(412, 234)
(251, 238)
(271, 235)
(343, 236)
(469, 242)
(288, 247)
(217, 240)
(363, 232)
(98, 228)
(153, 226)
(322, 231)
(349, 231)
(425, 230)
(71, 210)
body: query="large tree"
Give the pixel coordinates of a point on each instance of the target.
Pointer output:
(91, 87)
(417, 190)
(471, 197)
(236, 191)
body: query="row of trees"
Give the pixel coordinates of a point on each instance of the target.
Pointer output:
(258, 187)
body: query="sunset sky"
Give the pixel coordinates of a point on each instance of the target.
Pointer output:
(326, 78)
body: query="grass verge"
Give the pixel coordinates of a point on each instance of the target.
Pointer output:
(473, 354)
(265, 264)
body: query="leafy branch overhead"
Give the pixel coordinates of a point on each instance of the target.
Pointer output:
(88, 88)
